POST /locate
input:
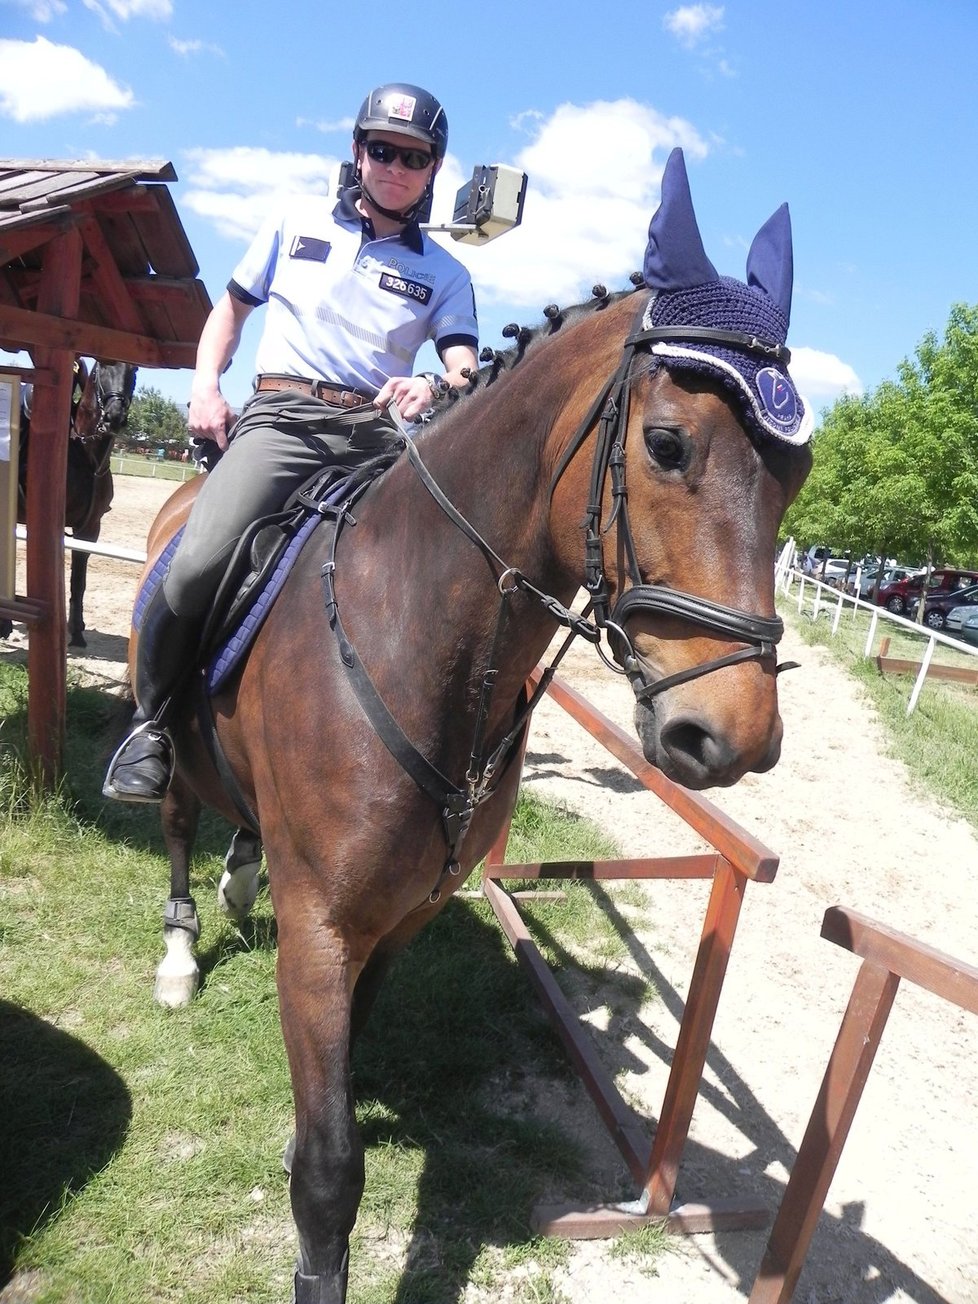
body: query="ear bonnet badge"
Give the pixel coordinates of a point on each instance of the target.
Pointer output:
(690, 292)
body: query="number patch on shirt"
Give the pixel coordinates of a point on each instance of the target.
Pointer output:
(406, 289)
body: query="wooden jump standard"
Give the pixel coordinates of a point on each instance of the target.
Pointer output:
(737, 858)
(887, 957)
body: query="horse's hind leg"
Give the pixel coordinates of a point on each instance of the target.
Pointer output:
(178, 976)
(315, 981)
(76, 599)
(238, 888)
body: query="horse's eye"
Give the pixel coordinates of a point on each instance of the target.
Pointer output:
(667, 447)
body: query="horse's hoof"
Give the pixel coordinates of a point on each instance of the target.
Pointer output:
(177, 978)
(174, 991)
(238, 890)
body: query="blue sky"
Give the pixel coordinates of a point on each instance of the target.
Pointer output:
(862, 117)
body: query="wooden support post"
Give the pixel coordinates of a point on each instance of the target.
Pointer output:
(821, 1149)
(888, 957)
(47, 658)
(736, 858)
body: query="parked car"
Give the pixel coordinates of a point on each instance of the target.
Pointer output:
(937, 606)
(867, 579)
(896, 596)
(822, 564)
(962, 623)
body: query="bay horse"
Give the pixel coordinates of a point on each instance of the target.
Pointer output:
(100, 405)
(366, 742)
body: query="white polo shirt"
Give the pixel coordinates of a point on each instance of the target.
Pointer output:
(346, 307)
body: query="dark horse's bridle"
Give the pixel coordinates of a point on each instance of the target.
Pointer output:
(97, 446)
(609, 411)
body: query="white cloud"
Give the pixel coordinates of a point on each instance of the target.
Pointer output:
(594, 184)
(41, 80)
(157, 10)
(328, 128)
(42, 11)
(186, 48)
(822, 377)
(236, 188)
(690, 23)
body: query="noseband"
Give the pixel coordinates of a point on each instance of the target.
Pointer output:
(610, 412)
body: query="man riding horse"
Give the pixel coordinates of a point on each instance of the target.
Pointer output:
(353, 292)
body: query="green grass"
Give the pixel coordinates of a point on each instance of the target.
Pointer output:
(140, 1149)
(938, 741)
(125, 463)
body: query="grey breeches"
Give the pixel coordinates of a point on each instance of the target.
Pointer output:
(279, 442)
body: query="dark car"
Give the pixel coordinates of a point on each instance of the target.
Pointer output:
(937, 605)
(896, 597)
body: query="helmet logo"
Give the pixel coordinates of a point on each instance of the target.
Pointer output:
(402, 109)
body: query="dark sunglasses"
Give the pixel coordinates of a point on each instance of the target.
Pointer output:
(413, 159)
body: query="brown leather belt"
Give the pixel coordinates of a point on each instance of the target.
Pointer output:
(348, 398)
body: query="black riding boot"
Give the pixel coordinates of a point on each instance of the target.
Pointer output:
(143, 766)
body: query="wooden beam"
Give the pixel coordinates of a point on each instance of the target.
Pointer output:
(25, 329)
(22, 239)
(153, 169)
(107, 276)
(47, 653)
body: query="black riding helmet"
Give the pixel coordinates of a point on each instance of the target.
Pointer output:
(407, 109)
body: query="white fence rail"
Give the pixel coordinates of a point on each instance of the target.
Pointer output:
(813, 598)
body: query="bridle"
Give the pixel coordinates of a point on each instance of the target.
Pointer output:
(610, 411)
(98, 444)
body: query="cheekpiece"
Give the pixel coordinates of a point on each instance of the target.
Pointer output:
(688, 291)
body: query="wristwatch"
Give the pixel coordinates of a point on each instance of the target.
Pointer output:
(436, 383)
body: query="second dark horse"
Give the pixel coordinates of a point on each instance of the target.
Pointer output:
(99, 411)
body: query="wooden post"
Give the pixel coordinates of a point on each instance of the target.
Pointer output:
(9, 449)
(47, 658)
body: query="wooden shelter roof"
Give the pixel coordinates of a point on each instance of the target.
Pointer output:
(141, 299)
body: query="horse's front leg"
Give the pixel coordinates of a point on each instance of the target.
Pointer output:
(76, 598)
(177, 975)
(315, 983)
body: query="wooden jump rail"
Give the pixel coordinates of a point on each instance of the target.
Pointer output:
(887, 957)
(736, 858)
(897, 666)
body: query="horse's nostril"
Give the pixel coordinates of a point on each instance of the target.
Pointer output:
(691, 743)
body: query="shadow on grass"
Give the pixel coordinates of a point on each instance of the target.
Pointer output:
(454, 1040)
(65, 1112)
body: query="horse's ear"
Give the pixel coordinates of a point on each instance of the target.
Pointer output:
(770, 264)
(675, 258)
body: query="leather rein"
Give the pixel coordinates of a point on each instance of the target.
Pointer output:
(609, 412)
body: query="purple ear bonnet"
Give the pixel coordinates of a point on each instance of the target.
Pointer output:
(689, 292)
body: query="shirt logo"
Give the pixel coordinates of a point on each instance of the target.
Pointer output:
(307, 246)
(413, 290)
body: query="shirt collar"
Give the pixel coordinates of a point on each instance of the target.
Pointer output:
(346, 211)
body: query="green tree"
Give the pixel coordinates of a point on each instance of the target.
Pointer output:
(896, 471)
(154, 419)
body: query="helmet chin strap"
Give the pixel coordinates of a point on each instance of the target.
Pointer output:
(392, 214)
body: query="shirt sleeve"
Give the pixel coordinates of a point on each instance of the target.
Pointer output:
(253, 275)
(456, 321)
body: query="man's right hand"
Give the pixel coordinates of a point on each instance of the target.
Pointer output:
(210, 417)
